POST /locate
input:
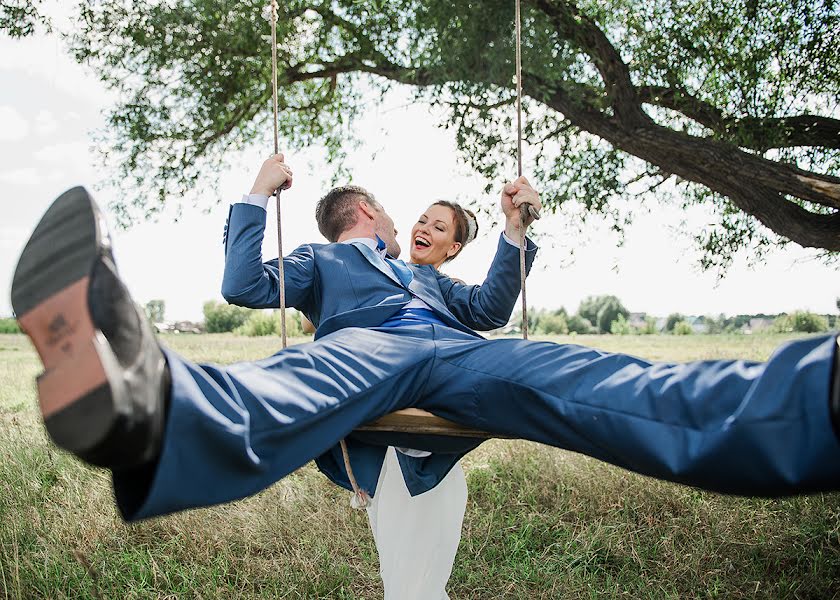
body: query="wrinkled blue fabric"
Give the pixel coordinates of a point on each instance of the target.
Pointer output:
(732, 426)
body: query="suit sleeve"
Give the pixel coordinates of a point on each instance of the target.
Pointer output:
(250, 282)
(489, 305)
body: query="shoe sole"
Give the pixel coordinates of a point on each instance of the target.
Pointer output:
(50, 298)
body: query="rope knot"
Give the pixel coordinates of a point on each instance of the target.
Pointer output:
(359, 500)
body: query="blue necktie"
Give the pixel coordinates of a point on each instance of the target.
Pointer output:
(400, 269)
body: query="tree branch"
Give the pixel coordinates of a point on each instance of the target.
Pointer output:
(758, 133)
(588, 37)
(244, 114)
(357, 63)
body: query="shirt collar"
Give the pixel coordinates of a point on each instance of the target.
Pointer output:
(376, 245)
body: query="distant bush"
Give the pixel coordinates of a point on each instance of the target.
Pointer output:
(553, 324)
(800, 321)
(578, 324)
(672, 321)
(261, 323)
(601, 311)
(541, 321)
(589, 308)
(649, 327)
(715, 325)
(682, 328)
(220, 317)
(9, 326)
(621, 326)
(611, 309)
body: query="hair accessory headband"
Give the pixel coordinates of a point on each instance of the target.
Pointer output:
(472, 227)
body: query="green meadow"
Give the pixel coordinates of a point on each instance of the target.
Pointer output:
(540, 523)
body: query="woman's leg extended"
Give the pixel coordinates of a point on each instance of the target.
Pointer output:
(729, 425)
(416, 537)
(231, 431)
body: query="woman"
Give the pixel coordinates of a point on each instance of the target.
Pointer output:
(441, 233)
(417, 537)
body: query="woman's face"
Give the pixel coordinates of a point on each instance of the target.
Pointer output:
(433, 236)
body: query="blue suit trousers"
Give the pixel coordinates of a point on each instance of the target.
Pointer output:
(731, 426)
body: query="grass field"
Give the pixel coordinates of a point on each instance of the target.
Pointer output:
(541, 523)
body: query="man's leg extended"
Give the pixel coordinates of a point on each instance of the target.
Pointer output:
(233, 430)
(730, 425)
(177, 434)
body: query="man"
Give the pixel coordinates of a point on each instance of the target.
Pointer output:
(179, 435)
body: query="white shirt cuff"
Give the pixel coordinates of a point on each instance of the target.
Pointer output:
(516, 243)
(255, 200)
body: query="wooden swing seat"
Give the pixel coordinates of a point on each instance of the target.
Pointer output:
(421, 422)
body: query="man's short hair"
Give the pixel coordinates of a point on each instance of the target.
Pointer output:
(336, 212)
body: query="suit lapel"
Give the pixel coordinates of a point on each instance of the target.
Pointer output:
(420, 287)
(377, 261)
(419, 284)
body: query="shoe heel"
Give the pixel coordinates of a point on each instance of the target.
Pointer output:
(50, 298)
(74, 394)
(76, 399)
(71, 303)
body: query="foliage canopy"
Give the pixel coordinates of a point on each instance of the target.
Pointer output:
(20, 18)
(733, 105)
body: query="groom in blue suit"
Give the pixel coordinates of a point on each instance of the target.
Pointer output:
(389, 336)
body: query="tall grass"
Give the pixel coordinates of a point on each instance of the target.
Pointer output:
(541, 523)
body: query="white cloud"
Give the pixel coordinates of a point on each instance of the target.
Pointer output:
(45, 123)
(64, 152)
(13, 127)
(19, 176)
(44, 58)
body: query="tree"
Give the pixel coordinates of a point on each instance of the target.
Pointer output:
(601, 311)
(715, 325)
(561, 312)
(19, 18)
(553, 324)
(155, 310)
(534, 317)
(611, 309)
(589, 308)
(800, 321)
(621, 326)
(578, 324)
(732, 102)
(222, 318)
(650, 326)
(683, 328)
(671, 321)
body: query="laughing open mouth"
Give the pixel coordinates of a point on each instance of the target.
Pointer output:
(420, 242)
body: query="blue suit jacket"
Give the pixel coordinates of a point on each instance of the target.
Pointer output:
(336, 286)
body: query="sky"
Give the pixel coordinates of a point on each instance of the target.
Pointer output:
(50, 107)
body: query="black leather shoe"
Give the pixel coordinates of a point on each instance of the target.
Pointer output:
(834, 394)
(105, 380)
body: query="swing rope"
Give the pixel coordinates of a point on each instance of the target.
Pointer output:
(523, 209)
(281, 273)
(360, 498)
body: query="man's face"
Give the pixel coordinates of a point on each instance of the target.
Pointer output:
(384, 227)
